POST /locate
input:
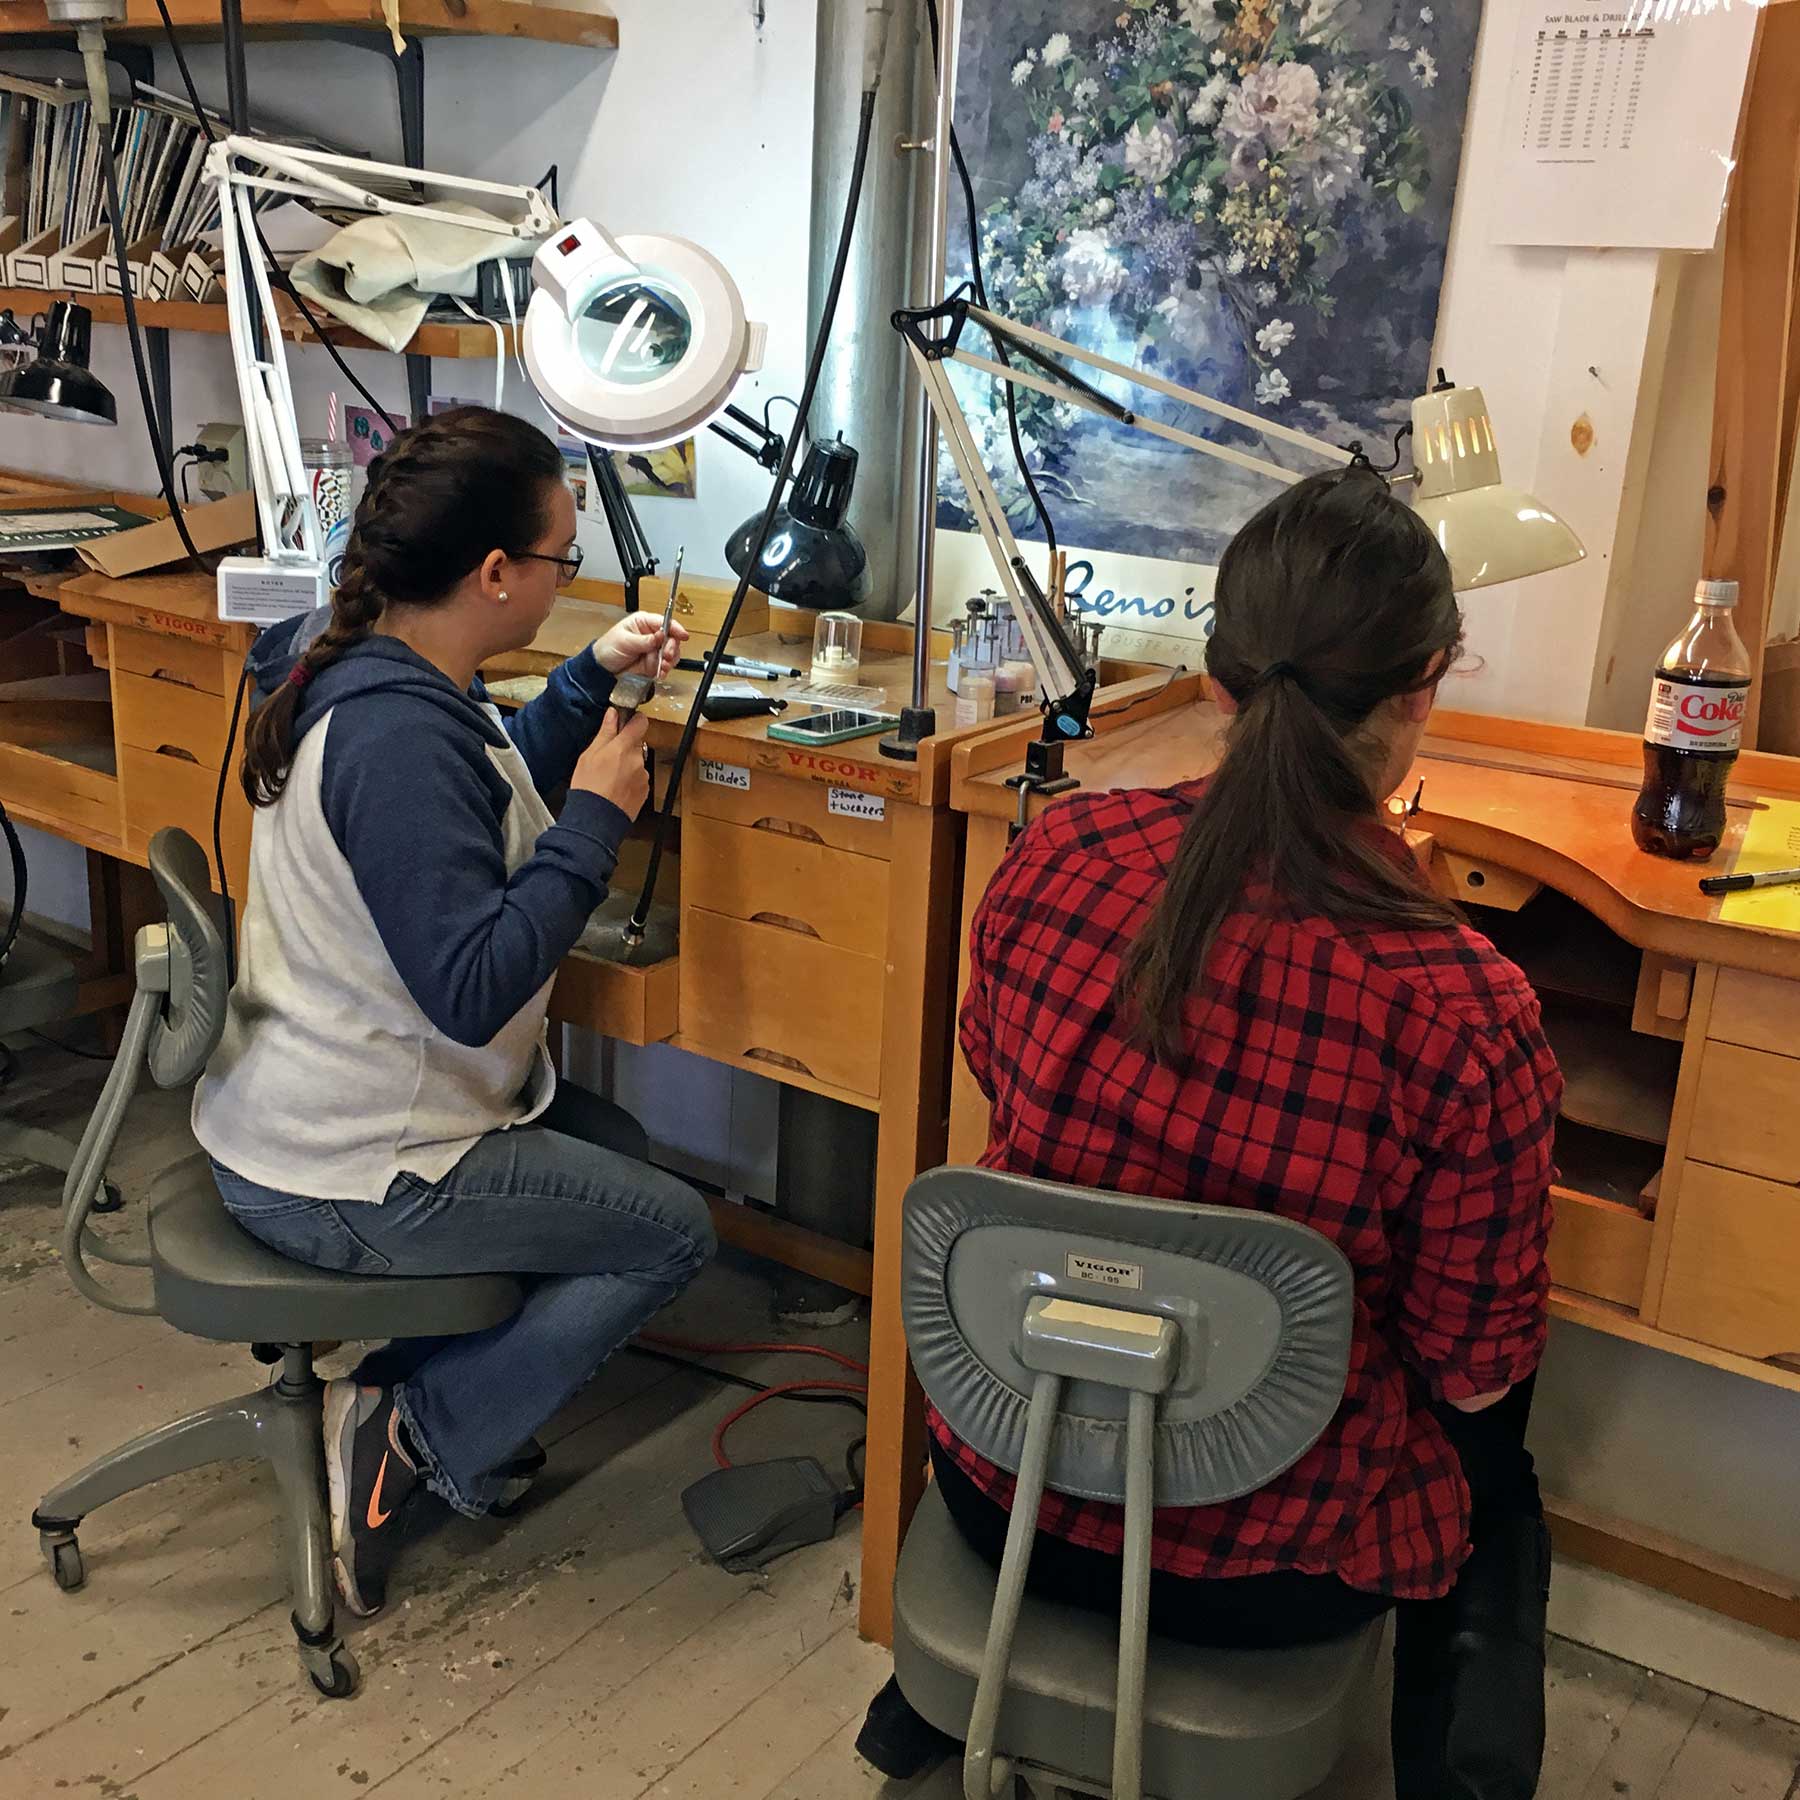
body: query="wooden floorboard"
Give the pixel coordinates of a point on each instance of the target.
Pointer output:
(584, 1648)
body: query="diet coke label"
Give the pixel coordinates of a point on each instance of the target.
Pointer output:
(1685, 715)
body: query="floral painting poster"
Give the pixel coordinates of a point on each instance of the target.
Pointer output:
(1249, 197)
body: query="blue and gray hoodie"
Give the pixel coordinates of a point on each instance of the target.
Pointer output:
(410, 897)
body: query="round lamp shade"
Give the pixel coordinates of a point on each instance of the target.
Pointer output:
(1489, 532)
(812, 557)
(56, 384)
(635, 342)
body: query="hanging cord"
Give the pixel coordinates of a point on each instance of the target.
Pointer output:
(499, 332)
(665, 818)
(277, 273)
(229, 932)
(93, 54)
(981, 300)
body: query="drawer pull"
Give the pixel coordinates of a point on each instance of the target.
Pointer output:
(781, 922)
(780, 1061)
(179, 754)
(788, 828)
(174, 680)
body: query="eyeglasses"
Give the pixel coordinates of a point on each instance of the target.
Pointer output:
(567, 566)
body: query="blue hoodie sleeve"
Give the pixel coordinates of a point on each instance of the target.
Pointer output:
(551, 731)
(472, 943)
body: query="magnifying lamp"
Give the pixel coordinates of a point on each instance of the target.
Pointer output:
(632, 343)
(635, 342)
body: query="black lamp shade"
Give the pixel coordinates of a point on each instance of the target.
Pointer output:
(812, 558)
(57, 384)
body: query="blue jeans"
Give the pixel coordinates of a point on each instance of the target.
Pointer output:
(569, 1202)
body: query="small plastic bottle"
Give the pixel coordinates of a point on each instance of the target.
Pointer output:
(974, 699)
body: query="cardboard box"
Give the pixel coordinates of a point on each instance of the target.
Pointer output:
(29, 265)
(76, 269)
(137, 260)
(218, 525)
(165, 270)
(200, 276)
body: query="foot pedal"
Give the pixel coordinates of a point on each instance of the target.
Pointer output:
(746, 1517)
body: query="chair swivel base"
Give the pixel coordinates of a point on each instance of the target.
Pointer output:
(280, 1424)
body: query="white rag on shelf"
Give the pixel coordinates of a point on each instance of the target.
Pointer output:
(380, 273)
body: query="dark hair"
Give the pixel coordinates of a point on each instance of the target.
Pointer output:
(1333, 599)
(440, 499)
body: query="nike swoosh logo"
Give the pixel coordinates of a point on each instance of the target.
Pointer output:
(378, 1518)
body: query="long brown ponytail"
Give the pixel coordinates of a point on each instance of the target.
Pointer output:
(440, 499)
(1332, 600)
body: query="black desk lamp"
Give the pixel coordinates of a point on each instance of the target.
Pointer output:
(56, 383)
(812, 558)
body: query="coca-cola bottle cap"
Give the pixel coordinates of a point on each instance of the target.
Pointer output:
(1715, 593)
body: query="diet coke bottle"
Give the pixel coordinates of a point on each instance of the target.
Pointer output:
(1695, 727)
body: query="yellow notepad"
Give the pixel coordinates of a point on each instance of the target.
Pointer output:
(1772, 842)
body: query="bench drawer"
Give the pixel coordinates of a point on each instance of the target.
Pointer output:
(779, 804)
(775, 878)
(162, 717)
(756, 991)
(1747, 1112)
(171, 660)
(1734, 1263)
(168, 790)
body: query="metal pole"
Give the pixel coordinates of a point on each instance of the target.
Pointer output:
(919, 721)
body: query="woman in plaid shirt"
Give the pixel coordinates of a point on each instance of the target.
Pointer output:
(1241, 992)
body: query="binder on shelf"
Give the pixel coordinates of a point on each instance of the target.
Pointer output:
(76, 268)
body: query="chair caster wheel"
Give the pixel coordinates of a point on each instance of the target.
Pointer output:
(332, 1671)
(108, 1200)
(64, 1557)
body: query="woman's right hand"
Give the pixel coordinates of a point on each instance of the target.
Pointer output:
(612, 766)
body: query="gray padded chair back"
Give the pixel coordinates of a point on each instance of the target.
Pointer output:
(1261, 1306)
(1119, 1349)
(193, 1012)
(176, 1020)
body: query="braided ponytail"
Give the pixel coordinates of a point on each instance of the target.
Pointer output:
(439, 500)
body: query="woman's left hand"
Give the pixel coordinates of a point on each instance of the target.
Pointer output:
(635, 646)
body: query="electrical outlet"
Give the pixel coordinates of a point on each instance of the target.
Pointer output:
(232, 475)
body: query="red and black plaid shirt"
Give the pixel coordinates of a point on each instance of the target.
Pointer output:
(1392, 1089)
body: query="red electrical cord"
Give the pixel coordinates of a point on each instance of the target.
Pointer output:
(700, 1347)
(774, 1393)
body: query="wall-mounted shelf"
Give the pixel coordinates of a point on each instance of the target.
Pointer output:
(451, 337)
(26, 24)
(294, 18)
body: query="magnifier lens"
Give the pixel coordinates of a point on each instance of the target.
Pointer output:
(635, 330)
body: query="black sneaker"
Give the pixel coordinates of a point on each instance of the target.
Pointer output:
(518, 1473)
(371, 1479)
(898, 1742)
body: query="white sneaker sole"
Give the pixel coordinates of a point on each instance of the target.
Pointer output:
(341, 1400)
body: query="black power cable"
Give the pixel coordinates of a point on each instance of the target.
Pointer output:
(16, 851)
(277, 273)
(165, 472)
(981, 300)
(815, 364)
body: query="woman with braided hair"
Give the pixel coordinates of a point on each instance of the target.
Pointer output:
(382, 1099)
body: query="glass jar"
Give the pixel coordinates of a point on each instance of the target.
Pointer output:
(837, 648)
(330, 474)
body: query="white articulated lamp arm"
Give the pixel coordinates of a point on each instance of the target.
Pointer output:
(290, 576)
(631, 342)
